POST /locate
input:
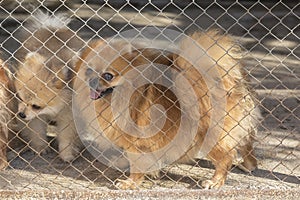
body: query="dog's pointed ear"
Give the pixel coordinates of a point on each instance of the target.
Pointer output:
(174, 59)
(129, 52)
(62, 78)
(33, 61)
(88, 52)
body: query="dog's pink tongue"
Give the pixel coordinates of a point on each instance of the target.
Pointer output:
(94, 94)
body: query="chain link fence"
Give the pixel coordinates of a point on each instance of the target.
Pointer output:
(47, 160)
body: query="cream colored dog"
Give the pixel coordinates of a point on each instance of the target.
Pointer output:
(46, 61)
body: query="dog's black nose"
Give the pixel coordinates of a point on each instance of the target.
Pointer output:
(22, 115)
(94, 82)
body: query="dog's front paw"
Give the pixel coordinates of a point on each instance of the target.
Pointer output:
(127, 184)
(212, 184)
(154, 174)
(66, 156)
(68, 152)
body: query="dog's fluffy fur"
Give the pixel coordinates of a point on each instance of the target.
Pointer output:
(6, 112)
(45, 68)
(239, 123)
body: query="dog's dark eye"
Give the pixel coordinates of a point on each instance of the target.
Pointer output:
(107, 76)
(36, 107)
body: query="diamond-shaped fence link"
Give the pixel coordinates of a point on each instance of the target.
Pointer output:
(103, 95)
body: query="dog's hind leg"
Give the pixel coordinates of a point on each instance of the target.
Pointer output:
(250, 162)
(222, 157)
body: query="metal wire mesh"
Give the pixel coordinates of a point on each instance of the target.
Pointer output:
(268, 33)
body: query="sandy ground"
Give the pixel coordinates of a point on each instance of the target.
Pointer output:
(271, 40)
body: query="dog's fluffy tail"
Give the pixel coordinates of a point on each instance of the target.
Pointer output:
(219, 49)
(41, 20)
(48, 34)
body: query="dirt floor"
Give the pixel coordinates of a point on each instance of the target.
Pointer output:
(271, 40)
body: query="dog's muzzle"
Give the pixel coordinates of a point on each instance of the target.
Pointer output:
(96, 92)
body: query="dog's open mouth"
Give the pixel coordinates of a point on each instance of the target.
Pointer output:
(96, 94)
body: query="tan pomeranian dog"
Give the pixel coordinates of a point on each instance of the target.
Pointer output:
(45, 68)
(239, 120)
